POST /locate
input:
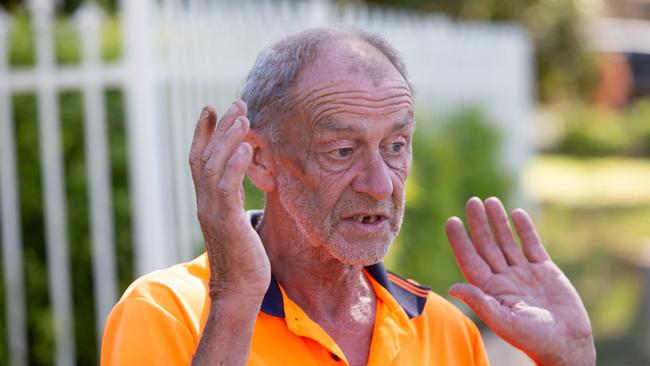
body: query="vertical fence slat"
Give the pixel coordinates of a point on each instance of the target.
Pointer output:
(89, 20)
(56, 227)
(153, 244)
(177, 122)
(12, 250)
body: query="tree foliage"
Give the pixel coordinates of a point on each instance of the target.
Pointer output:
(563, 65)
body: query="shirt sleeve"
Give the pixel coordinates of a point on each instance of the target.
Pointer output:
(141, 332)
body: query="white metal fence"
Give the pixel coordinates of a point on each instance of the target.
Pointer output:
(178, 56)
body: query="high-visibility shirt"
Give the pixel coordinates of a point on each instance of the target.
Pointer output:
(160, 317)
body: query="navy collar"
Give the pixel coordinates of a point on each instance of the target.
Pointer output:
(401, 289)
(412, 303)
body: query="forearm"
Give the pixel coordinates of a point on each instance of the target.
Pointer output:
(226, 338)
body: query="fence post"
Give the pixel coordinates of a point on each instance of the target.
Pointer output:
(148, 181)
(178, 113)
(89, 19)
(12, 250)
(56, 226)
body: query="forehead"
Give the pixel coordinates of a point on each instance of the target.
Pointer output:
(351, 78)
(347, 60)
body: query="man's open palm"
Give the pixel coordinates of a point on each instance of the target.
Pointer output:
(519, 293)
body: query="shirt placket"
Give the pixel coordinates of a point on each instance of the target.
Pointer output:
(300, 324)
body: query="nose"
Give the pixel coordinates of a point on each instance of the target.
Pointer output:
(374, 180)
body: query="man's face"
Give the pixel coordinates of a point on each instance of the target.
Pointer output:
(343, 167)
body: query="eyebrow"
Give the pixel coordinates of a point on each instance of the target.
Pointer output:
(330, 124)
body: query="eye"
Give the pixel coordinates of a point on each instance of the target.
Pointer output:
(341, 153)
(396, 147)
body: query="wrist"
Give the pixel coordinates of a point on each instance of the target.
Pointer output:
(234, 312)
(230, 300)
(580, 353)
(247, 287)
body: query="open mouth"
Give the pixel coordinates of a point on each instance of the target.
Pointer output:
(368, 219)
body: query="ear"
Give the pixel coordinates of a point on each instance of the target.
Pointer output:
(261, 169)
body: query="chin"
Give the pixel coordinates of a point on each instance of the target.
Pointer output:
(360, 252)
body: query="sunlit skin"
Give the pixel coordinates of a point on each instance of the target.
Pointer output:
(344, 156)
(351, 161)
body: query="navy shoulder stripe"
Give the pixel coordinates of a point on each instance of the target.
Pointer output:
(410, 296)
(409, 285)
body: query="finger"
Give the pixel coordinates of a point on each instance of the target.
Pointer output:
(237, 109)
(483, 305)
(502, 231)
(472, 265)
(230, 184)
(224, 151)
(530, 242)
(482, 237)
(202, 132)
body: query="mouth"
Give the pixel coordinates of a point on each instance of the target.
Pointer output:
(368, 219)
(367, 223)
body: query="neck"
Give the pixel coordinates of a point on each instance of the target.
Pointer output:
(323, 286)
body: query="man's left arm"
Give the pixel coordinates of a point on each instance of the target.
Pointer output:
(519, 293)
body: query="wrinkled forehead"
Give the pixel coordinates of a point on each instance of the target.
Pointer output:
(351, 77)
(350, 96)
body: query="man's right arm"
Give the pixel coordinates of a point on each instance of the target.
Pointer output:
(240, 271)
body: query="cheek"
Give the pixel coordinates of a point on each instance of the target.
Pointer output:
(399, 174)
(324, 187)
(332, 177)
(400, 170)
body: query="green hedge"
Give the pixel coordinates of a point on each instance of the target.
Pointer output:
(459, 161)
(591, 131)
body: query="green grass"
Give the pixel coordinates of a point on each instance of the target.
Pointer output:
(593, 182)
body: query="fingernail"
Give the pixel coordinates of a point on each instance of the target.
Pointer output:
(236, 124)
(234, 108)
(241, 149)
(204, 113)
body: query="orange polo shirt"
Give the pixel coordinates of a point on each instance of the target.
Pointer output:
(160, 317)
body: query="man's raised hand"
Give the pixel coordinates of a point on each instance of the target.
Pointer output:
(219, 158)
(521, 294)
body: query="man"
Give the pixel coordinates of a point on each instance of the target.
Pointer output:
(328, 139)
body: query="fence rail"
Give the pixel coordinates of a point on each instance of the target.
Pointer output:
(177, 57)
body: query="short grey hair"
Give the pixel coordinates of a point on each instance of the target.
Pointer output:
(268, 89)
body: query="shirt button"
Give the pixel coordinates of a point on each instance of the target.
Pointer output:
(335, 357)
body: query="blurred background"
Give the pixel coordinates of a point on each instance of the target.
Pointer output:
(544, 103)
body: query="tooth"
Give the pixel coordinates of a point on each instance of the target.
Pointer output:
(360, 218)
(372, 219)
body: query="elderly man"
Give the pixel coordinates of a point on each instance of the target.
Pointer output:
(324, 128)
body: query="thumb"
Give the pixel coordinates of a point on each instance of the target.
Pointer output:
(483, 305)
